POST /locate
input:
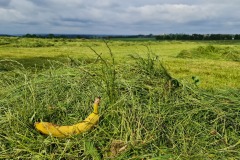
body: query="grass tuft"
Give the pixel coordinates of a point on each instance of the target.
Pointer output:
(145, 112)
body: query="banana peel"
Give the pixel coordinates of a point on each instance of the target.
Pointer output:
(67, 131)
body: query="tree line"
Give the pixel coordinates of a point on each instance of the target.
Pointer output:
(157, 37)
(198, 37)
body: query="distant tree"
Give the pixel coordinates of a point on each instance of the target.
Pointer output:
(197, 37)
(237, 36)
(214, 37)
(30, 35)
(167, 37)
(227, 37)
(159, 37)
(186, 37)
(51, 36)
(150, 35)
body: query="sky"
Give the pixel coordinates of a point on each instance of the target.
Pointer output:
(119, 17)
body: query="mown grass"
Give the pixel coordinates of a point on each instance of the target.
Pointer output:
(213, 73)
(146, 111)
(212, 52)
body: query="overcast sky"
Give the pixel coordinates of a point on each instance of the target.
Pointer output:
(119, 16)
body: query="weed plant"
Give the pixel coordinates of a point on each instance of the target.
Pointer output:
(145, 112)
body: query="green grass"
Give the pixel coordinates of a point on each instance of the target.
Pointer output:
(134, 39)
(212, 52)
(151, 108)
(213, 72)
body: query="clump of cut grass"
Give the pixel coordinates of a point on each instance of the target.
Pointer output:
(145, 113)
(211, 52)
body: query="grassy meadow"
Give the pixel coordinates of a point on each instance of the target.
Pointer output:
(160, 99)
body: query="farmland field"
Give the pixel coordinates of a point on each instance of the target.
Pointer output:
(160, 99)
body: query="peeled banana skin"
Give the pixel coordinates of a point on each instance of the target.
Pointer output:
(67, 131)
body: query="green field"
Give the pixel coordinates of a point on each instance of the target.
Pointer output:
(160, 99)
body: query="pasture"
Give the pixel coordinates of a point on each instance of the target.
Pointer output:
(160, 99)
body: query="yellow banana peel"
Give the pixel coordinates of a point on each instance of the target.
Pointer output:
(67, 131)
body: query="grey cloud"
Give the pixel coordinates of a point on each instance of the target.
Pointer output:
(136, 16)
(4, 3)
(176, 13)
(76, 22)
(39, 2)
